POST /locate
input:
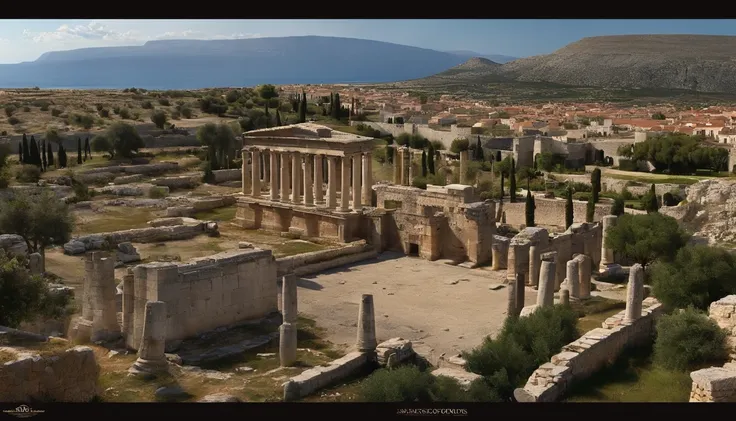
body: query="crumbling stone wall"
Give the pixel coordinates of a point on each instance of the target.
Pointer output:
(718, 384)
(204, 294)
(551, 212)
(65, 376)
(440, 222)
(588, 354)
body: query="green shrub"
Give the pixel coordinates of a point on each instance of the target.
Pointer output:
(581, 196)
(146, 105)
(419, 182)
(157, 193)
(28, 174)
(13, 120)
(104, 113)
(164, 101)
(523, 344)
(688, 340)
(124, 113)
(459, 145)
(410, 384)
(627, 165)
(55, 112)
(697, 276)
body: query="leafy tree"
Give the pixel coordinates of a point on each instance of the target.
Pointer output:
(460, 144)
(677, 154)
(646, 238)
(649, 201)
(159, 118)
(23, 298)
(668, 199)
(42, 220)
(658, 116)
(430, 159)
(527, 173)
(529, 209)
(79, 151)
(26, 151)
(688, 340)
(696, 277)
(619, 206)
(220, 142)
(512, 181)
(268, 92)
(590, 210)
(595, 181)
(569, 211)
(424, 163)
(121, 140)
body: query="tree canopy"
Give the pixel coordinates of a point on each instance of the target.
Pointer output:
(220, 141)
(119, 140)
(646, 238)
(677, 154)
(42, 220)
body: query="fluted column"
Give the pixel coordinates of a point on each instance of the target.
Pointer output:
(256, 179)
(308, 188)
(410, 168)
(367, 179)
(357, 175)
(318, 168)
(284, 176)
(296, 179)
(403, 175)
(245, 175)
(331, 182)
(345, 184)
(274, 162)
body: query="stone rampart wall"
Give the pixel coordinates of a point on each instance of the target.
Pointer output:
(590, 353)
(306, 263)
(551, 212)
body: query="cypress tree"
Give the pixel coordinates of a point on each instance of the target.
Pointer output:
(389, 154)
(332, 104)
(595, 181)
(569, 216)
(50, 153)
(618, 207)
(79, 150)
(278, 118)
(424, 163)
(34, 153)
(336, 107)
(529, 209)
(303, 108)
(479, 156)
(430, 159)
(88, 148)
(26, 151)
(590, 210)
(62, 156)
(20, 153)
(650, 200)
(86, 144)
(498, 156)
(502, 180)
(44, 160)
(512, 181)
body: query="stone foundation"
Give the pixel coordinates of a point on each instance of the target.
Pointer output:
(588, 354)
(317, 261)
(320, 377)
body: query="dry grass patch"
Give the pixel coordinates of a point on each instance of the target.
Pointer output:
(113, 218)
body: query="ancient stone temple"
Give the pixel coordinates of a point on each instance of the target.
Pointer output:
(286, 170)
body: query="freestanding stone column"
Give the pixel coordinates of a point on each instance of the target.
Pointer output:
(274, 162)
(357, 175)
(519, 290)
(367, 181)
(634, 293)
(573, 278)
(402, 156)
(535, 260)
(511, 263)
(296, 179)
(463, 167)
(345, 185)
(366, 325)
(331, 182)
(308, 187)
(100, 296)
(284, 177)
(318, 168)
(410, 167)
(512, 307)
(398, 164)
(607, 257)
(244, 174)
(546, 292)
(151, 357)
(266, 158)
(585, 265)
(256, 178)
(35, 263)
(500, 253)
(288, 329)
(565, 297)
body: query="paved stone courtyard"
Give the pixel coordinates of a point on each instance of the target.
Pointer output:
(439, 307)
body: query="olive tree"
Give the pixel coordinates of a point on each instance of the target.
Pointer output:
(646, 238)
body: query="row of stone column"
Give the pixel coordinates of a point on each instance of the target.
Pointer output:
(290, 172)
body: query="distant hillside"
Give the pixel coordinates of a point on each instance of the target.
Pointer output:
(190, 64)
(639, 62)
(498, 58)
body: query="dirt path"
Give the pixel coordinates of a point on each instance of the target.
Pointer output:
(440, 308)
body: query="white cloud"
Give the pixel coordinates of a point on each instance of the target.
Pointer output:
(97, 32)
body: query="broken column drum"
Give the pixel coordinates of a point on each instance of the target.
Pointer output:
(535, 260)
(288, 329)
(545, 294)
(366, 325)
(573, 278)
(151, 357)
(634, 293)
(607, 256)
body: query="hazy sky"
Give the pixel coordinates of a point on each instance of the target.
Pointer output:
(26, 40)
